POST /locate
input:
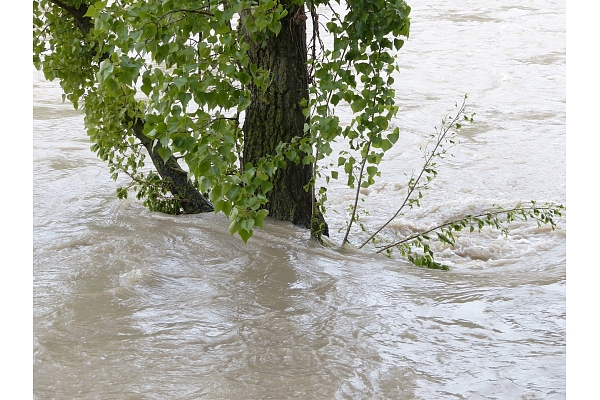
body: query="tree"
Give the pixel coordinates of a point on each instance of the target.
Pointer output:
(232, 103)
(203, 66)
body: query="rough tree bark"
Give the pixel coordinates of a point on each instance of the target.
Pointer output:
(276, 116)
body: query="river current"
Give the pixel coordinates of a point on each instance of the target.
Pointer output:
(131, 304)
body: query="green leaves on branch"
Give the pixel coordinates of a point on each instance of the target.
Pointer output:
(357, 72)
(180, 71)
(446, 233)
(243, 224)
(417, 248)
(443, 140)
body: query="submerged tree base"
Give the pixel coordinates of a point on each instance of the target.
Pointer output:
(275, 116)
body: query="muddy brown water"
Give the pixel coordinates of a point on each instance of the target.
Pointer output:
(130, 304)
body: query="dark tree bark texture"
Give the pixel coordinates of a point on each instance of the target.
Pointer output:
(276, 116)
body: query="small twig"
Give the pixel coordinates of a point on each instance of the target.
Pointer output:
(414, 186)
(362, 167)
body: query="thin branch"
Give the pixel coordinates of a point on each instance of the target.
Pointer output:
(487, 214)
(183, 10)
(84, 23)
(412, 188)
(362, 167)
(74, 12)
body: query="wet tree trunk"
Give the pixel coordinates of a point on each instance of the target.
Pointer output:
(276, 116)
(192, 201)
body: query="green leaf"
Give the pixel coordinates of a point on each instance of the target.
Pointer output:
(247, 224)
(234, 226)
(164, 153)
(180, 82)
(92, 12)
(445, 239)
(358, 105)
(381, 122)
(266, 186)
(276, 28)
(244, 234)
(260, 217)
(393, 137)
(105, 69)
(110, 84)
(385, 144)
(244, 78)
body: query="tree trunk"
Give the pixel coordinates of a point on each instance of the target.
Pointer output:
(276, 116)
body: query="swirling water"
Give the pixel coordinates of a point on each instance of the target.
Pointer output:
(132, 304)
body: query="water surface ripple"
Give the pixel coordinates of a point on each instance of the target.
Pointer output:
(131, 304)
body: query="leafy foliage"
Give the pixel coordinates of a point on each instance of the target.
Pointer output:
(443, 140)
(171, 79)
(182, 68)
(416, 248)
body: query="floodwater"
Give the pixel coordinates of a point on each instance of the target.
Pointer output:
(130, 304)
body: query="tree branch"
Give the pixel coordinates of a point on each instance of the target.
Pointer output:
(83, 23)
(411, 189)
(487, 214)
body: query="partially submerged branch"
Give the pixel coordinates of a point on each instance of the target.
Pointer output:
(192, 201)
(446, 131)
(416, 248)
(445, 232)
